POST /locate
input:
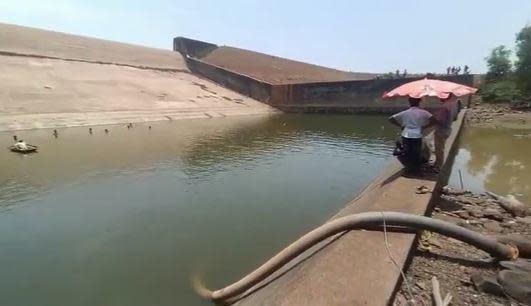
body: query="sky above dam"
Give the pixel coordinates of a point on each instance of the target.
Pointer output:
(368, 36)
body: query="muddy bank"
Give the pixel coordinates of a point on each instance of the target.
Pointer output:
(462, 270)
(498, 116)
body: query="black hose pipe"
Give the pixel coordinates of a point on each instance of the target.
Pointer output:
(357, 221)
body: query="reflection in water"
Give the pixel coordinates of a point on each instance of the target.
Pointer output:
(284, 134)
(496, 160)
(126, 218)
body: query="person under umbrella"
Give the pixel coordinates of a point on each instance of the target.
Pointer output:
(416, 118)
(445, 115)
(412, 122)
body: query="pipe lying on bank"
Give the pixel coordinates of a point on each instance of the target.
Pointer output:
(357, 221)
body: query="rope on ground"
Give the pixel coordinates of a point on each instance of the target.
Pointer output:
(394, 261)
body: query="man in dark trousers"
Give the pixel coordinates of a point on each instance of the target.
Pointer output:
(413, 121)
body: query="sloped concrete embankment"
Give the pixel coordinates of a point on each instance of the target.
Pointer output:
(53, 80)
(305, 88)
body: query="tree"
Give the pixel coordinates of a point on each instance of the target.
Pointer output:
(523, 63)
(499, 64)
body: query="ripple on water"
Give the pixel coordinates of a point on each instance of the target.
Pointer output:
(15, 191)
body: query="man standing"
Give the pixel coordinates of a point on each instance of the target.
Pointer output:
(412, 121)
(445, 115)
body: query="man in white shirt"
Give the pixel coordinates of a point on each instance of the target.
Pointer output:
(412, 121)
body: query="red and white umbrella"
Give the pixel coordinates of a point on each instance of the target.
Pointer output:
(430, 88)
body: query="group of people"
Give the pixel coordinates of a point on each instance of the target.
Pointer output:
(397, 73)
(452, 70)
(416, 123)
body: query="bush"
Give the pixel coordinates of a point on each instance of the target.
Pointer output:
(504, 91)
(499, 64)
(523, 64)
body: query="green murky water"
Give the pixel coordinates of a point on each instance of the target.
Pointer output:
(127, 218)
(495, 159)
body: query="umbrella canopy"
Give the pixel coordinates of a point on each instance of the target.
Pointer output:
(430, 88)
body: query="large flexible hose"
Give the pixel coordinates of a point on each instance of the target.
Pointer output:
(358, 221)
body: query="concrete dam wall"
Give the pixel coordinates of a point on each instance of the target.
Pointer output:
(353, 96)
(294, 86)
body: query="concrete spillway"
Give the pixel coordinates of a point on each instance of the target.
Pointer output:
(52, 79)
(295, 86)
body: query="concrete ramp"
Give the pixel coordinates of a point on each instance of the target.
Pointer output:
(19, 40)
(277, 70)
(294, 86)
(52, 80)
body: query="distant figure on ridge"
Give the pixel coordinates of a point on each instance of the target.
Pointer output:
(397, 73)
(448, 70)
(466, 70)
(405, 73)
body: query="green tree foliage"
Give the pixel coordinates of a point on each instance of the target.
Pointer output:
(523, 64)
(499, 64)
(504, 91)
(499, 85)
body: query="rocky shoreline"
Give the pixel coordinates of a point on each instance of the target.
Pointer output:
(500, 115)
(468, 274)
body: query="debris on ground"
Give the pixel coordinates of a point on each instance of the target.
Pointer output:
(468, 275)
(499, 115)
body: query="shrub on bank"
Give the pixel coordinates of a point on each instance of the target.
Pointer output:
(508, 82)
(504, 91)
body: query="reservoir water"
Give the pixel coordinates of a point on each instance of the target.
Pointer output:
(496, 160)
(126, 218)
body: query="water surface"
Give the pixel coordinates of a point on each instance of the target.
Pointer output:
(126, 218)
(496, 160)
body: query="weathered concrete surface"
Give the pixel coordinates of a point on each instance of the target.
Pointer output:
(264, 67)
(361, 94)
(192, 48)
(294, 86)
(238, 82)
(38, 92)
(355, 268)
(21, 40)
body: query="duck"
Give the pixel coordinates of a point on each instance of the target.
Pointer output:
(90, 131)
(15, 138)
(55, 133)
(106, 131)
